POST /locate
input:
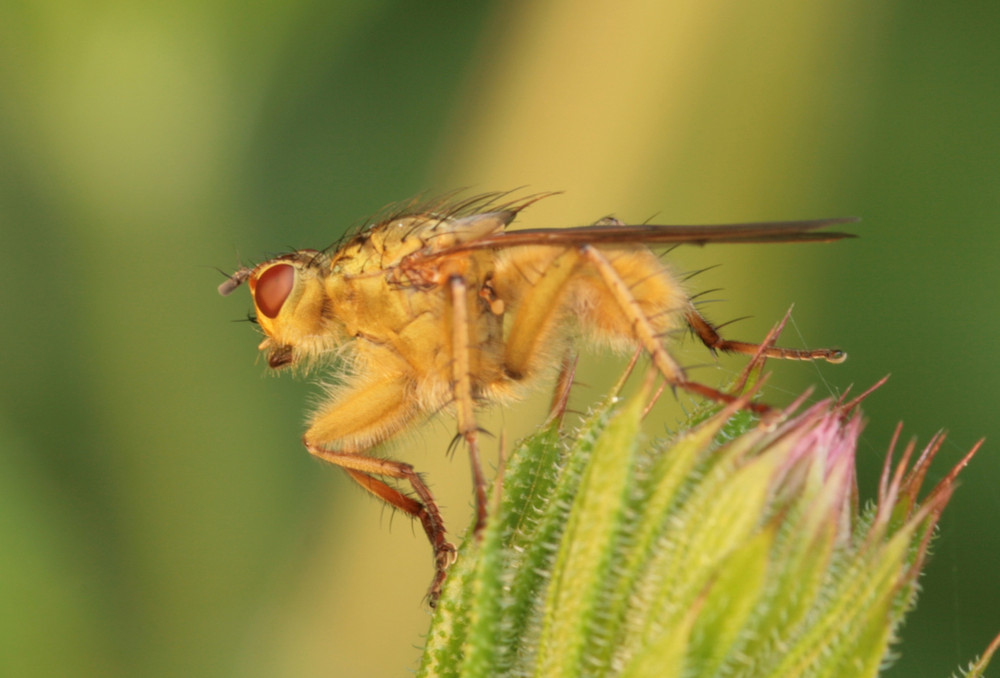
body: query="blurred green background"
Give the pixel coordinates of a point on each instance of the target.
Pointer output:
(158, 516)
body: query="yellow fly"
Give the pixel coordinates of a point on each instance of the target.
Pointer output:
(440, 307)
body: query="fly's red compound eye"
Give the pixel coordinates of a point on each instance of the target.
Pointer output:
(272, 288)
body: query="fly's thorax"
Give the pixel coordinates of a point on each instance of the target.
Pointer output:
(290, 298)
(385, 245)
(390, 243)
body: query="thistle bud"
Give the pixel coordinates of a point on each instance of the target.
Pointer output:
(736, 548)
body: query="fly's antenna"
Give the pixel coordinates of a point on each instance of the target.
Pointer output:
(234, 281)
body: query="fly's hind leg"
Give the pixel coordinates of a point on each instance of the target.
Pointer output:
(646, 335)
(710, 336)
(539, 313)
(342, 434)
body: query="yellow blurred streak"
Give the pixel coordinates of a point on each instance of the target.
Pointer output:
(578, 95)
(613, 101)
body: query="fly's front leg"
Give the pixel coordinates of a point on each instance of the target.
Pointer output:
(343, 432)
(363, 469)
(462, 389)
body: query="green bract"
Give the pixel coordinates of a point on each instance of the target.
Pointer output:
(735, 549)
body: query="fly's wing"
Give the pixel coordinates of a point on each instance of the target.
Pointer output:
(484, 232)
(613, 234)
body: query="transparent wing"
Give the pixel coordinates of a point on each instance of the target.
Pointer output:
(614, 234)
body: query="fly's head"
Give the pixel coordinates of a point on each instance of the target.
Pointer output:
(289, 297)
